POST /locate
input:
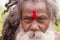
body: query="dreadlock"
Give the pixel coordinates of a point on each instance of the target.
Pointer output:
(12, 22)
(9, 5)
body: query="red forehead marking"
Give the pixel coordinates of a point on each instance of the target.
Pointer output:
(34, 15)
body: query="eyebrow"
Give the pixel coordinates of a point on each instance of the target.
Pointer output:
(26, 17)
(42, 16)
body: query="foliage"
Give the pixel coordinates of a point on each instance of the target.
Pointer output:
(1, 21)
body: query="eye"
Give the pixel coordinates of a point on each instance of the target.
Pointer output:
(42, 19)
(27, 19)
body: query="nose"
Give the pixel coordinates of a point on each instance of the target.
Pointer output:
(34, 27)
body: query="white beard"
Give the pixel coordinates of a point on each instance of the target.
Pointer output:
(38, 35)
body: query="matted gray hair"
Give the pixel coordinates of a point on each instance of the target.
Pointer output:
(52, 6)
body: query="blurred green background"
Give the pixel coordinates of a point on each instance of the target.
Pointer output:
(1, 20)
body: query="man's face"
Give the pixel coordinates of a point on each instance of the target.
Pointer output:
(41, 20)
(35, 23)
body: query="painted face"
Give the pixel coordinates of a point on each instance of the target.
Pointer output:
(35, 16)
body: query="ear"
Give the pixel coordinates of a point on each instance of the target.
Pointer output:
(11, 24)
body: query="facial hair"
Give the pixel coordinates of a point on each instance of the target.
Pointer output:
(37, 35)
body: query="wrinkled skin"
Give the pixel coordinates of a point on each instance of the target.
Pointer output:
(41, 22)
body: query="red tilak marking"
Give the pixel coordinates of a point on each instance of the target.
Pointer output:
(34, 15)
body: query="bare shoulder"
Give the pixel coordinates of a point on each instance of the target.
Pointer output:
(57, 35)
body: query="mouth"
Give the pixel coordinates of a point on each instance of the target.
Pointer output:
(32, 35)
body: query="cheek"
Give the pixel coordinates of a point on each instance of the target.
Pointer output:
(25, 26)
(44, 26)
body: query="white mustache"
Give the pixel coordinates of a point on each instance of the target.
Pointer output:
(37, 35)
(28, 35)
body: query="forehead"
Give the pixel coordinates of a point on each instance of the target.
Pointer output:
(29, 6)
(34, 5)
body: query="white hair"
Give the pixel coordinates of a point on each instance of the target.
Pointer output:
(52, 6)
(38, 35)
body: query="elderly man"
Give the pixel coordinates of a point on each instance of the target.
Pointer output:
(31, 20)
